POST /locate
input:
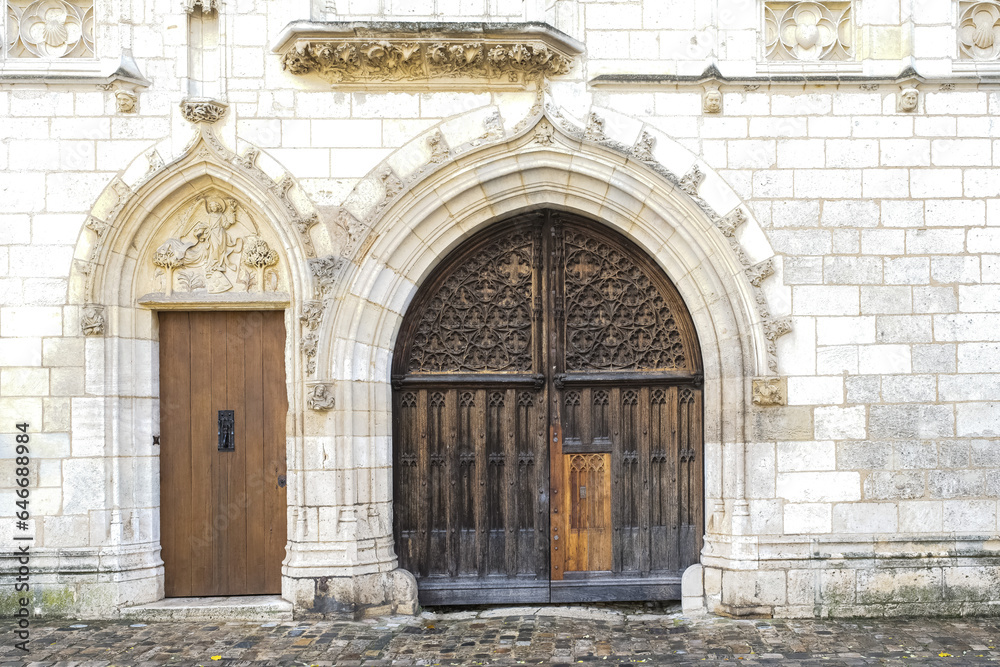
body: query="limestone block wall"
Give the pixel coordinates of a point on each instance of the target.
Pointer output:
(871, 488)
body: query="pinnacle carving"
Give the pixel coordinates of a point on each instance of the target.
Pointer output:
(345, 61)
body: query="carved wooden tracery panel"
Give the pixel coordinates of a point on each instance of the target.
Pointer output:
(480, 318)
(616, 317)
(547, 422)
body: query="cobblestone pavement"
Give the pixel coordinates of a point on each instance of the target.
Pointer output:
(547, 636)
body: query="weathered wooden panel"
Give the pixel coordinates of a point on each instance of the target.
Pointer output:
(222, 513)
(547, 421)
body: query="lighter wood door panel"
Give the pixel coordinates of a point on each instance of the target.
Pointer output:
(587, 511)
(222, 513)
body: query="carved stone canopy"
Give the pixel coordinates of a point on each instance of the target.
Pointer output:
(448, 54)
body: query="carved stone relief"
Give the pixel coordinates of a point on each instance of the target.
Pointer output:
(92, 320)
(312, 315)
(769, 391)
(808, 31)
(711, 100)
(217, 248)
(50, 29)
(979, 30)
(321, 396)
(344, 61)
(126, 101)
(325, 270)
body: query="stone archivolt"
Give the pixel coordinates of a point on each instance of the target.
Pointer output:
(402, 60)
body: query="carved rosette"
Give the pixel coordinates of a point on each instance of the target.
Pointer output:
(979, 30)
(769, 391)
(203, 111)
(320, 396)
(808, 31)
(405, 60)
(92, 320)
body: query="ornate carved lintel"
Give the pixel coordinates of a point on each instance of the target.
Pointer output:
(320, 396)
(344, 59)
(92, 320)
(769, 391)
(203, 110)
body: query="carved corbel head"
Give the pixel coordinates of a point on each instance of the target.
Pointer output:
(711, 99)
(907, 99)
(126, 99)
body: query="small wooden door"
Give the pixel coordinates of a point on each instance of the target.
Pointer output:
(547, 421)
(222, 452)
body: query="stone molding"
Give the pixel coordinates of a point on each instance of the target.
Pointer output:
(442, 54)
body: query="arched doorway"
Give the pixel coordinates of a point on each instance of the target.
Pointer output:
(547, 421)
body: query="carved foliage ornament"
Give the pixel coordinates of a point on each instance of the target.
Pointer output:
(808, 31)
(203, 111)
(218, 249)
(347, 62)
(50, 29)
(979, 30)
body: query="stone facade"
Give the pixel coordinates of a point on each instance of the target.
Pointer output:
(817, 178)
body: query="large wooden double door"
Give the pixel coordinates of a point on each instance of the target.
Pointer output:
(547, 434)
(222, 452)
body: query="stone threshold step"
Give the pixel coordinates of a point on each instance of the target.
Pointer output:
(234, 608)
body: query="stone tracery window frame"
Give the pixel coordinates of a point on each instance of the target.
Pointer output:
(58, 45)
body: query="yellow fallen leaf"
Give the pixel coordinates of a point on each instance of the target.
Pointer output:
(216, 657)
(944, 655)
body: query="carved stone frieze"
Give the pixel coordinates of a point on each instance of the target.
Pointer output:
(92, 320)
(769, 391)
(408, 59)
(808, 31)
(203, 111)
(320, 396)
(325, 270)
(217, 248)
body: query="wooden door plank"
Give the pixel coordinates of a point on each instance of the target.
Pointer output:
(509, 444)
(423, 473)
(644, 455)
(253, 439)
(202, 472)
(453, 538)
(236, 507)
(275, 467)
(599, 540)
(481, 507)
(175, 452)
(615, 473)
(221, 497)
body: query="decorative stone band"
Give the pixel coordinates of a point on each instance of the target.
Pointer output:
(504, 54)
(203, 110)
